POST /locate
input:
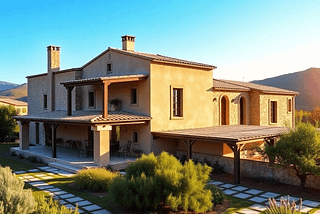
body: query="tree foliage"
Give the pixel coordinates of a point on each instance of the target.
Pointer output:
(154, 179)
(299, 149)
(7, 123)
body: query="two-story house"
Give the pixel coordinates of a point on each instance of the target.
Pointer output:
(167, 104)
(20, 106)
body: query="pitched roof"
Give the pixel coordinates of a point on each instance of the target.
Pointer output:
(13, 102)
(84, 116)
(248, 86)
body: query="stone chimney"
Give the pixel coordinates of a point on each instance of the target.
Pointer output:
(53, 58)
(128, 42)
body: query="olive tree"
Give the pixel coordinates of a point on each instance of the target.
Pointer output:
(298, 149)
(7, 123)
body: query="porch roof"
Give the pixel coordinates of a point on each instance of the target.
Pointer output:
(228, 133)
(85, 117)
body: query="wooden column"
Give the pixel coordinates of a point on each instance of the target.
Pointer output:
(105, 99)
(236, 170)
(189, 144)
(69, 99)
(53, 139)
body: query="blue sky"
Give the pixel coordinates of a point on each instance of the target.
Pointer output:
(246, 40)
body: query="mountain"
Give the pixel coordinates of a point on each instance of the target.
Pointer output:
(18, 93)
(7, 85)
(307, 83)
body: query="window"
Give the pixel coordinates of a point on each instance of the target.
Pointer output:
(135, 137)
(177, 102)
(273, 112)
(109, 70)
(91, 99)
(24, 110)
(134, 96)
(289, 105)
(45, 101)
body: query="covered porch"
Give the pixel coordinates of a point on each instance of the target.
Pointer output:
(235, 137)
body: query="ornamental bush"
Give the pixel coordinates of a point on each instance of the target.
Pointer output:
(217, 195)
(94, 180)
(154, 179)
(51, 206)
(13, 198)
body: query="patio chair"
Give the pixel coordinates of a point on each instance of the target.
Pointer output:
(60, 142)
(89, 147)
(80, 149)
(125, 149)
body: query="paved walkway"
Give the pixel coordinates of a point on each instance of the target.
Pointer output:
(69, 200)
(258, 197)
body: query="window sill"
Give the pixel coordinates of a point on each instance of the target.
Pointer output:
(176, 118)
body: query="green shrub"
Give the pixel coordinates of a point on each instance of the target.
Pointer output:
(151, 180)
(13, 198)
(217, 195)
(21, 156)
(51, 206)
(13, 153)
(285, 207)
(94, 180)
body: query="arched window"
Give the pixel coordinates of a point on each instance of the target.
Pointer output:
(224, 110)
(242, 111)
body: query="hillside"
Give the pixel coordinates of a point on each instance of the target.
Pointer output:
(307, 83)
(7, 85)
(18, 93)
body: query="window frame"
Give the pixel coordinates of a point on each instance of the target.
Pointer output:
(176, 102)
(89, 99)
(109, 67)
(273, 112)
(136, 96)
(45, 102)
(289, 103)
(135, 137)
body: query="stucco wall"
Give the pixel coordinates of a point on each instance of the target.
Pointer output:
(284, 118)
(121, 65)
(234, 107)
(197, 97)
(73, 132)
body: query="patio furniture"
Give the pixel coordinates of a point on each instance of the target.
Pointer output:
(125, 149)
(80, 148)
(60, 142)
(114, 147)
(89, 147)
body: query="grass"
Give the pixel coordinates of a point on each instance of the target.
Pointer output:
(237, 204)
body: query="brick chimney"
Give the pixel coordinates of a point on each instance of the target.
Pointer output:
(128, 42)
(53, 58)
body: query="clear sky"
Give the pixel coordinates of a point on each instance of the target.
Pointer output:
(246, 39)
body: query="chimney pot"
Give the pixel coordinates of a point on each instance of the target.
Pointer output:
(128, 42)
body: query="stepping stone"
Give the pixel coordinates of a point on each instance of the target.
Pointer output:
(80, 211)
(270, 195)
(242, 195)
(253, 191)
(70, 206)
(92, 207)
(229, 192)
(228, 185)
(45, 167)
(83, 203)
(258, 199)
(54, 190)
(34, 179)
(19, 172)
(67, 196)
(45, 187)
(101, 212)
(33, 170)
(50, 193)
(51, 173)
(47, 177)
(28, 176)
(258, 207)
(317, 212)
(76, 199)
(62, 201)
(41, 175)
(215, 183)
(310, 203)
(37, 183)
(248, 211)
(240, 188)
(304, 209)
(60, 193)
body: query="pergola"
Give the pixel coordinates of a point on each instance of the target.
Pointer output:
(235, 136)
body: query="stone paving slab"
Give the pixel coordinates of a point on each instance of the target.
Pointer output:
(70, 206)
(258, 199)
(304, 209)
(101, 212)
(317, 212)
(33, 170)
(40, 175)
(54, 189)
(227, 185)
(47, 177)
(290, 198)
(60, 193)
(249, 211)
(258, 207)
(310, 203)
(34, 179)
(38, 183)
(28, 176)
(253, 191)
(19, 172)
(229, 192)
(83, 203)
(73, 200)
(215, 183)
(62, 201)
(45, 187)
(270, 195)
(67, 196)
(92, 207)
(239, 188)
(45, 167)
(242, 195)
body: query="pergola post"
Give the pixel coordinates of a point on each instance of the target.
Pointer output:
(69, 99)
(189, 144)
(53, 139)
(105, 99)
(236, 170)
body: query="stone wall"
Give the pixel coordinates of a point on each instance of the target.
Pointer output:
(253, 169)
